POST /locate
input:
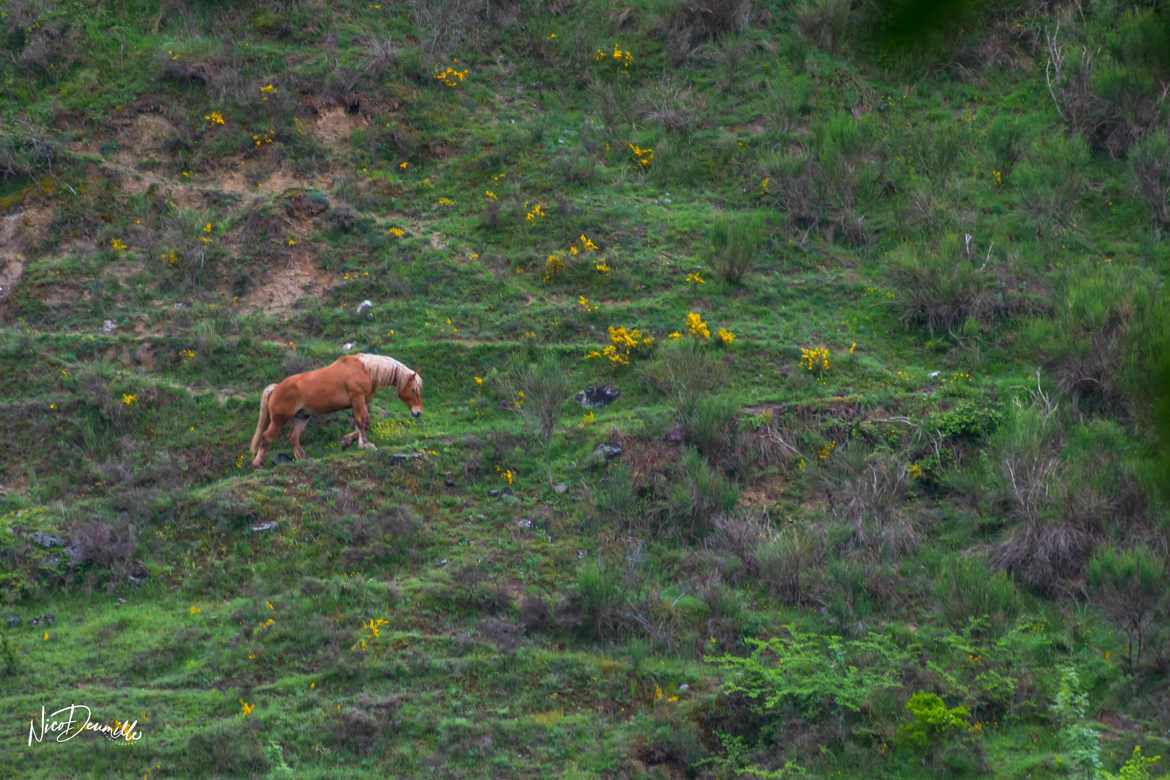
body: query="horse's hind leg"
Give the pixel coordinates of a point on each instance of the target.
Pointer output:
(298, 427)
(348, 439)
(276, 421)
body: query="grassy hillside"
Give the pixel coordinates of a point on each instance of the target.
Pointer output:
(878, 288)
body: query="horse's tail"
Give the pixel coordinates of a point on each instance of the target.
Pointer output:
(263, 422)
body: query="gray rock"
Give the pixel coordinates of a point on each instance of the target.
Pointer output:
(266, 526)
(281, 457)
(524, 522)
(347, 346)
(108, 326)
(43, 539)
(607, 451)
(399, 457)
(13, 622)
(598, 396)
(560, 487)
(366, 309)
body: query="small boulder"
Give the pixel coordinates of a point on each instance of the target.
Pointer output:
(43, 539)
(561, 488)
(108, 326)
(281, 457)
(366, 309)
(598, 396)
(607, 451)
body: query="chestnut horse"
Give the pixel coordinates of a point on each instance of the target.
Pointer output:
(348, 382)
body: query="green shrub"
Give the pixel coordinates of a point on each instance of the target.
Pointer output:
(790, 563)
(697, 495)
(1136, 767)
(824, 23)
(1128, 584)
(966, 588)
(967, 421)
(814, 675)
(1079, 738)
(600, 594)
(736, 245)
(710, 425)
(539, 391)
(684, 371)
(953, 289)
(1149, 164)
(932, 725)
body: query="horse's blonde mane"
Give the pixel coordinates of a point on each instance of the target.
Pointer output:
(386, 371)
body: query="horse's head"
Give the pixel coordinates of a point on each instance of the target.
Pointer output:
(411, 394)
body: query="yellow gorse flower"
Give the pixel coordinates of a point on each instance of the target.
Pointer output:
(623, 343)
(642, 156)
(815, 360)
(725, 336)
(450, 76)
(696, 326)
(129, 399)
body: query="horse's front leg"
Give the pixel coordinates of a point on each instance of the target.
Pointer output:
(361, 416)
(294, 436)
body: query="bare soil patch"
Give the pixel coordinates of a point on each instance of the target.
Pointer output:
(286, 282)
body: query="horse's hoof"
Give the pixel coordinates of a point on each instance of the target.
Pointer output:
(368, 445)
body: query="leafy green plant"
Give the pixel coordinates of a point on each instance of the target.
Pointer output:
(814, 675)
(932, 724)
(1136, 767)
(1079, 738)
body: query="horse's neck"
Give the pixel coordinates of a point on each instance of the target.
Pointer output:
(389, 371)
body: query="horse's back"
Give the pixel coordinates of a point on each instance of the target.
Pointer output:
(323, 390)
